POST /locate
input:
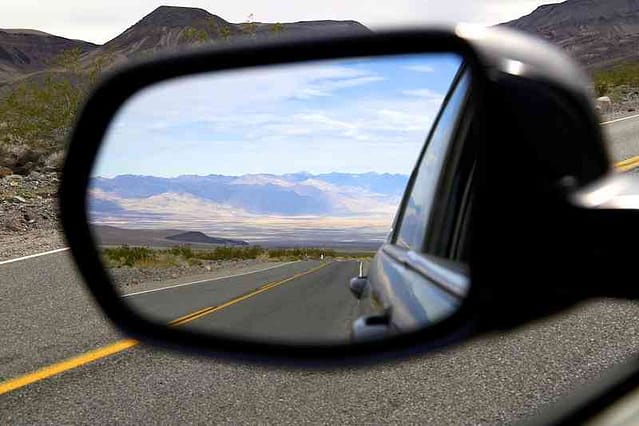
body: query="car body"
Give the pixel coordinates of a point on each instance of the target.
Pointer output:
(412, 283)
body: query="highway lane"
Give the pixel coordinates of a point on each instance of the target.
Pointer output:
(495, 379)
(166, 305)
(622, 138)
(305, 300)
(314, 308)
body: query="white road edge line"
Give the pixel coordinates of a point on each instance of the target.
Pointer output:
(207, 280)
(620, 119)
(31, 256)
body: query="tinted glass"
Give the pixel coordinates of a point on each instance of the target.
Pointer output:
(412, 228)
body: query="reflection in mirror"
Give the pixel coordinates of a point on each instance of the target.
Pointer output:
(244, 203)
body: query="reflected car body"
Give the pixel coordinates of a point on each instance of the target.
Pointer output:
(419, 277)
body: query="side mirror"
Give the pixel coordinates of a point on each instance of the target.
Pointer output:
(221, 200)
(357, 286)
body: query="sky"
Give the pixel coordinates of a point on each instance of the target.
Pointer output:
(99, 21)
(351, 115)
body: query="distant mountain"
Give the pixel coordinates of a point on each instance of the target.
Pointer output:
(299, 208)
(26, 51)
(202, 238)
(598, 33)
(112, 235)
(290, 194)
(166, 28)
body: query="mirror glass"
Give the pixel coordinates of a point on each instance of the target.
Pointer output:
(256, 203)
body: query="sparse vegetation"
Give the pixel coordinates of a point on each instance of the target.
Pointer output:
(128, 256)
(193, 35)
(38, 113)
(249, 27)
(142, 257)
(616, 81)
(301, 253)
(277, 28)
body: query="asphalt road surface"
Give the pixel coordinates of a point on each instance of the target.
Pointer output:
(47, 317)
(300, 302)
(622, 137)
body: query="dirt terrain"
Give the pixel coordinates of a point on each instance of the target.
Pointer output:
(132, 279)
(29, 214)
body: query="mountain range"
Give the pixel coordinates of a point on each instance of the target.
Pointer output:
(598, 33)
(253, 206)
(25, 52)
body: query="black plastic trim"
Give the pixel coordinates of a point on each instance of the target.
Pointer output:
(118, 87)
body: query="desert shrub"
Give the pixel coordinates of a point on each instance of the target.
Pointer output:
(183, 251)
(37, 114)
(301, 253)
(601, 88)
(194, 35)
(231, 253)
(129, 256)
(607, 81)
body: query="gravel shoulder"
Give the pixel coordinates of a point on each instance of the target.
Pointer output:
(29, 214)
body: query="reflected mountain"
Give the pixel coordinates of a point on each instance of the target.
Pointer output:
(335, 207)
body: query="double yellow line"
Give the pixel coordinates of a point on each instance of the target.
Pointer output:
(122, 345)
(266, 287)
(628, 164)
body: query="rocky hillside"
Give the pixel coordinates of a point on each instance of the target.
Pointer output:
(167, 27)
(598, 33)
(26, 51)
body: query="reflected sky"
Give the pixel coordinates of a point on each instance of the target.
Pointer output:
(355, 116)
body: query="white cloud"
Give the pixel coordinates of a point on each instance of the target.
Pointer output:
(424, 93)
(421, 68)
(326, 88)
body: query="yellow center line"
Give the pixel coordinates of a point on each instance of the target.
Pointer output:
(628, 164)
(122, 345)
(266, 287)
(71, 363)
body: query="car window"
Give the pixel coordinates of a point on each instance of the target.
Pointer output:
(412, 227)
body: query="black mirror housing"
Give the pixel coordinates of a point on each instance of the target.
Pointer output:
(533, 127)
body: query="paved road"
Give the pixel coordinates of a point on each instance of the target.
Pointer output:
(48, 317)
(622, 137)
(309, 302)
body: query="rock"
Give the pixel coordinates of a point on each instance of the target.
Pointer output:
(14, 177)
(5, 171)
(19, 198)
(603, 105)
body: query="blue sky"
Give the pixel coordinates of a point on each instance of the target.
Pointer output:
(352, 116)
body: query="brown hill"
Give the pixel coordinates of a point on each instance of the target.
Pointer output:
(170, 27)
(26, 51)
(599, 33)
